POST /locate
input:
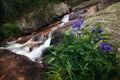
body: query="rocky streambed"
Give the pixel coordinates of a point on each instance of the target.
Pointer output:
(22, 59)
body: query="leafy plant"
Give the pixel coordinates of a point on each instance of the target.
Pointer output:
(9, 29)
(83, 55)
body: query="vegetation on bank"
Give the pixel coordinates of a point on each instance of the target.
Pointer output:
(9, 30)
(83, 55)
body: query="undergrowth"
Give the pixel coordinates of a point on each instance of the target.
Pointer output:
(9, 29)
(83, 55)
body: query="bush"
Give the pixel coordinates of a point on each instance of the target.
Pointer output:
(9, 29)
(83, 55)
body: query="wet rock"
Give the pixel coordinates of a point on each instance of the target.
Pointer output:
(46, 52)
(57, 36)
(18, 67)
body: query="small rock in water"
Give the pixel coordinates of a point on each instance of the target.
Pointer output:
(39, 38)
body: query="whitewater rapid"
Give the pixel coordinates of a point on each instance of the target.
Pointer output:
(34, 47)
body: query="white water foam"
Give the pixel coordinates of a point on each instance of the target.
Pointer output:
(37, 52)
(65, 19)
(14, 41)
(24, 49)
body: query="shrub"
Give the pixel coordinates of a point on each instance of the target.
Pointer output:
(9, 29)
(83, 55)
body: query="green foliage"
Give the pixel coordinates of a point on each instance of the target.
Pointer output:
(78, 58)
(9, 29)
(12, 9)
(1, 12)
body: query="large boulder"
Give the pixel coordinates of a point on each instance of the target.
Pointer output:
(18, 67)
(109, 19)
(33, 21)
(61, 9)
(30, 22)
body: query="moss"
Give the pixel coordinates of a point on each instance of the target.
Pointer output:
(86, 3)
(9, 29)
(110, 19)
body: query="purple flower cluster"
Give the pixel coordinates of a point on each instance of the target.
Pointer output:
(100, 38)
(79, 32)
(72, 34)
(76, 27)
(78, 24)
(105, 47)
(100, 30)
(93, 29)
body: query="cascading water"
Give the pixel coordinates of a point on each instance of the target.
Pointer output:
(36, 52)
(65, 19)
(35, 46)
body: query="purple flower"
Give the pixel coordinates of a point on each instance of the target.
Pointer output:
(71, 34)
(74, 30)
(93, 29)
(78, 24)
(79, 32)
(105, 47)
(100, 30)
(77, 40)
(92, 42)
(100, 38)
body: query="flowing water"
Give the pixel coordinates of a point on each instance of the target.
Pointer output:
(33, 45)
(36, 44)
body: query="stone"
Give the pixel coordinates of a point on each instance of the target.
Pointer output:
(57, 37)
(85, 4)
(109, 19)
(91, 10)
(18, 67)
(61, 9)
(29, 23)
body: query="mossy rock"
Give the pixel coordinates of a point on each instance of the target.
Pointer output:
(9, 29)
(85, 4)
(109, 18)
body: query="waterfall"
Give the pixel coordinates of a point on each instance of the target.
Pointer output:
(37, 52)
(24, 49)
(35, 46)
(65, 19)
